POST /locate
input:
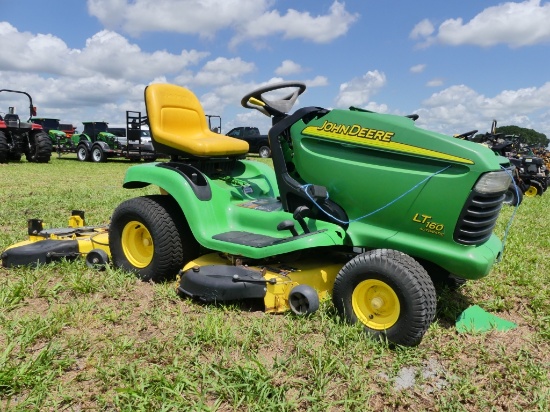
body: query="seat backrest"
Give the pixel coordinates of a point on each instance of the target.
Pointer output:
(179, 127)
(12, 120)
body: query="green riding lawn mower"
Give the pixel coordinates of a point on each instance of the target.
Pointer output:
(359, 206)
(23, 137)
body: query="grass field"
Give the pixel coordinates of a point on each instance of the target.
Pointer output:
(72, 339)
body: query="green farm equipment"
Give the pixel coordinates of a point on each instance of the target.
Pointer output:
(362, 207)
(382, 208)
(60, 141)
(97, 144)
(23, 137)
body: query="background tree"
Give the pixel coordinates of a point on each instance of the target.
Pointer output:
(528, 136)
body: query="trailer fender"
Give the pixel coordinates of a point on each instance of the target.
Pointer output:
(104, 146)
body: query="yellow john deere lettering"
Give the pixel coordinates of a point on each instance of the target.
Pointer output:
(378, 139)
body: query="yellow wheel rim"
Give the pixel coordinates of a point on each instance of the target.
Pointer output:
(137, 244)
(531, 192)
(375, 304)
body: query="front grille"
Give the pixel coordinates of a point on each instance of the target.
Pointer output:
(478, 218)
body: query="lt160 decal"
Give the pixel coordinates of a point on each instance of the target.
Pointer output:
(428, 225)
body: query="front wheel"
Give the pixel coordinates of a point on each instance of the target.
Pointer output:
(82, 153)
(535, 188)
(264, 151)
(389, 292)
(150, 237)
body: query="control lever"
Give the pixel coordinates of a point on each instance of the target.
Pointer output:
(287, 225)
(299, 214)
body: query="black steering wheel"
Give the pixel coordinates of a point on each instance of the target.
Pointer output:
(275, 107)
(467, 136)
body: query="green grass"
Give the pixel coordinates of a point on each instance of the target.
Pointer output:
(74, 339)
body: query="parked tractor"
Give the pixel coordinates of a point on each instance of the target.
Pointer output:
(23, 137)
(60, 141)
(97, 144)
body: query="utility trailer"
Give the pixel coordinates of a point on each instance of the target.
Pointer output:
(97, 144)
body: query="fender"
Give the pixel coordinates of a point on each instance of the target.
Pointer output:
(194, 197)
(82, 138)
(86, 143)
(212, 206)
(104, 146)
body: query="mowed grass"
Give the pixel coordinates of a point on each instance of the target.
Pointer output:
(75, 339)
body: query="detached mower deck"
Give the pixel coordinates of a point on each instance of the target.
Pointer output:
(51, 245)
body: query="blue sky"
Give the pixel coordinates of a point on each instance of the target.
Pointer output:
(458, 64)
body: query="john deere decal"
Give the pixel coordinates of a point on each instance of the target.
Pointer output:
(374, 138)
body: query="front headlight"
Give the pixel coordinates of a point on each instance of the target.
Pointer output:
(493, 182)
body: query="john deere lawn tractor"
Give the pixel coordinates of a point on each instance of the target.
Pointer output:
(19, 137)
(362, 206)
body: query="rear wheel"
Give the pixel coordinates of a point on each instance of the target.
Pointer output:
(4, 148)
(40, 148)
(389, 292)
(98, 155)
(82, 153)
(150, 237)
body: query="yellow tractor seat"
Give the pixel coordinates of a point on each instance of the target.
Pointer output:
(178, 125)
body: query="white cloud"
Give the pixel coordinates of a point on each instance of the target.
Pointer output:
(459, 108)
(109, 53)
(248, 19)
(317, 81)
(222, 71)
(513, 24)
(288, 67)
(435, 83)
(106, 53)
(204, 18)
(299, 25)
(358, 91)
(28, 52)
(423, 29)
(419, 68)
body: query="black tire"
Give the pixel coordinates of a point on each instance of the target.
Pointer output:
(537, 185)
(150, 237)
(40, 150)
(264, 151)
(15, 156)
(98, 155)
(82, 153)
(514, 195)
(97, 259)
(389, 292)
(303, 300)
(4, 148)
